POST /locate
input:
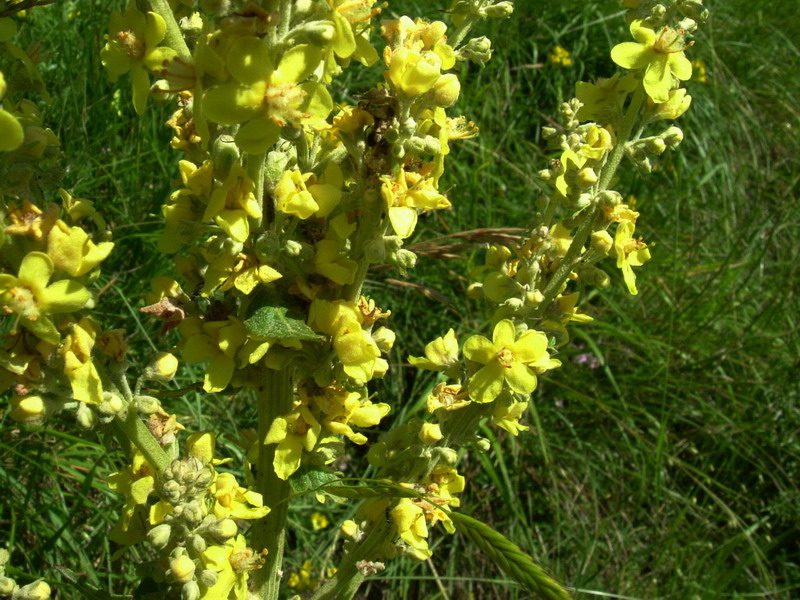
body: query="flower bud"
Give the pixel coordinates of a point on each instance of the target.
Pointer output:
(478, 50)
(159, 535)
(163, 367)
(673, 136)
(594, 276)
(224, 529)
(677, 104)
(7, 586)
(3, 86)
(405, 259)
(190, 591)
(28, 410)
(475, 291)
(384, 338)
(446, 90)
(208, 578)
(181, 569)
(602, 242)
(446, 455)
(586, 177)
(85, 416)
(609, 198)
(483, 444)
(430, 433)
(318, 33)
(38, 590)
(196, 543)
(225, 153)
(501, 10)
(148, 405)
(656, 146)
(5, 556)
(193, 513)
(111, 405)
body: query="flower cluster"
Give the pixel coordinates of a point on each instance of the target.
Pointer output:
(38, 590)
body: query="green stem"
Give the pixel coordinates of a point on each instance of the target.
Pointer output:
(274, 400)
(139, 435)
(370, 230)
(173, 36)
(585, 228)
(348, 578)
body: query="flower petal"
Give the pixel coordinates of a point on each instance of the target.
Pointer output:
(249, 61)
(486, 384)
(520, 378)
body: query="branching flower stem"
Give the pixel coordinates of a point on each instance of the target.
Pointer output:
(585, 228)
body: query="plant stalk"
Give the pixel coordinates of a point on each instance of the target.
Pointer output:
(139, 435)
(173, 36)
(269, 533)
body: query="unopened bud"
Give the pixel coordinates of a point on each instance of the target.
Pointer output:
(85, 416)
(3, 86)
(430, 433)
(446, 90)
(673, 136)
(501, 10)
(586, 177)
(447, 455)
(148, 404)
(196, 543)
(594, 276)
(190, 591)
(225, 154)
(475, 291)
(478, 50)
(38, 590)
(224, 529)
(5, 556)
(602, 242)
(181, 569)
(163, 367)
(405, 259)
(159, 535)
(483, 444)
(384, 338)
(7, 586)
(208, 578)
(609, 198)
(29, 410)
(656, 146)
(111, 405)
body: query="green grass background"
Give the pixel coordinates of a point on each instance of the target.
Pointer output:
(666, 467)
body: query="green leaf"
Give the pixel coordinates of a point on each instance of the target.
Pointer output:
(511, 559)
(377, 490)
(313, 478)
(276, 322)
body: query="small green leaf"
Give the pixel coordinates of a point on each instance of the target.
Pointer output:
(511, 559)
(276, 322)
(312, 478)
(377, 490)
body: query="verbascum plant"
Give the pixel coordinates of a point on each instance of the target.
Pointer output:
(287, 196)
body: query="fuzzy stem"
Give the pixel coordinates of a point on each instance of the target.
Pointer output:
(348, 578)
(274, 400)
(139, 435)
(585, 228)
(173, 36)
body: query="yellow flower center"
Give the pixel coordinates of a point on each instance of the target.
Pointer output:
(23, 302)
(281, 101)
(505, 357)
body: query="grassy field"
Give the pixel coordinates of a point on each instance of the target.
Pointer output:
(663, 459)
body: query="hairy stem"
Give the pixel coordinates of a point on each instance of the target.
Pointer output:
(345, 583)
(139, 435)
(173, 37)
(274, 400)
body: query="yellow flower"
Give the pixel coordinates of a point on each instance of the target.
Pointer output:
(559, 57)
(263, 97)
(136, 482)
(405, 196)
(506, 415)
(32, 300)
(73, 251)
(232, 203)
(412, 528)
(132, 46)
(659, 55)
(293, 432)
(342, 409)
(232, 500)
(507, 359)
(232, 562)
(78, 365)
(319, 521)
(629, 253)
(215, 341)
(440, 355)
